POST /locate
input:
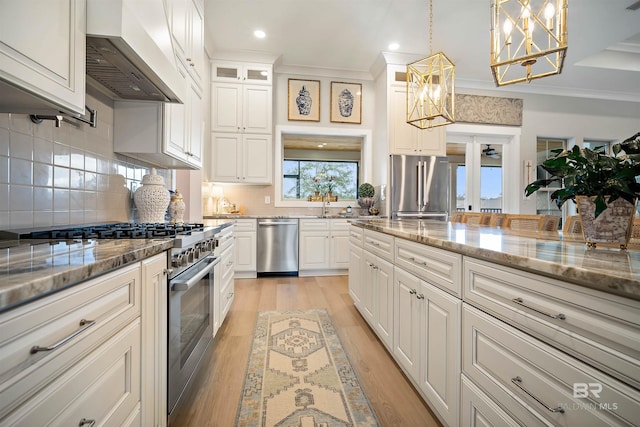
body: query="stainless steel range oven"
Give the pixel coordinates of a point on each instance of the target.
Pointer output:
(191, 300)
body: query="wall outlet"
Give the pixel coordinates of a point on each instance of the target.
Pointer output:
(267, 200)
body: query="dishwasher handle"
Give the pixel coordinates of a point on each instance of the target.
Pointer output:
(278, 223)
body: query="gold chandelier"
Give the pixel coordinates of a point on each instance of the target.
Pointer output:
(528, 39)
(430, 88)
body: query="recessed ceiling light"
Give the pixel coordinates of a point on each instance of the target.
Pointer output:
(259, 34)
(394, 46)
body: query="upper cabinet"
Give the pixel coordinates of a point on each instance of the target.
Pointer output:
(236, 72)
(241, 122)
(187, 29)
(42, 71)
(404, 138)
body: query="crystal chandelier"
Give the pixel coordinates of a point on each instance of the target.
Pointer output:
(528, 39)
(430, 88)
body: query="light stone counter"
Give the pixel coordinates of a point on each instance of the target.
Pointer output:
(30, 269)
(549, 254)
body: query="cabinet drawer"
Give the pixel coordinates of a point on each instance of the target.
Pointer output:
(226, 264)
(438, 267)
(478, 410)
(339, 224)
(530, 379)
(599, 328)
(224, 240)
(379, 243)
(111, 301)
(104, 386)
(356, 235)
(315, 224)
(244, 225)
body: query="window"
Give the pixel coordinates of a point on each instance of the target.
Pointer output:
(299, 178)
(592, 145)
(544, 205)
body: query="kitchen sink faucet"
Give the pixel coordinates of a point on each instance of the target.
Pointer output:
(325, 205)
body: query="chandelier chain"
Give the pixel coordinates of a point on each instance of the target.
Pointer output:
(430, 26)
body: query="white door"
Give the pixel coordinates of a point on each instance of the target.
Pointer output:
(485, 174)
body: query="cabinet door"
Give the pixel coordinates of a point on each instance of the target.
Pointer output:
(257, 74)
(339, 249)
(154, 341)
(408, 139)
(406, 348)
(226, 108)
(179, 18)
(383, 303)
(256, 107)
(245, 251)
(440, 350)
(314, 250)
(257, 159)
(176, 124)
(42, 52)
(194, 153)
(225, 152)
(355, 273)
(368, 287)
(195, 59)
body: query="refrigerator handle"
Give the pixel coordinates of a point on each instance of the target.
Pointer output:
(419, 175)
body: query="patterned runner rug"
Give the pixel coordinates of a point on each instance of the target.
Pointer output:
(298, 375)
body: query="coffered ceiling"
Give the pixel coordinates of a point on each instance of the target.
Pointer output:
(603, 59)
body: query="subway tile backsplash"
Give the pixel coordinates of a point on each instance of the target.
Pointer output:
(65, 176)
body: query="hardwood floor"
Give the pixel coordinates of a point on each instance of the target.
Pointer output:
(214, 399)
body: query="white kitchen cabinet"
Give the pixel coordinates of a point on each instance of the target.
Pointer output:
(245, 248)
(42, 56)
(324, 246)
(187, 29)
(408, 139)
(223, 276)
(165, 135)
(538, 384)
(154, 310)
(241, 72)
(238, 158)
(478, 410)
(377, 290)
(94, 371)
(427, 341)
(239, 108)
(355, 273)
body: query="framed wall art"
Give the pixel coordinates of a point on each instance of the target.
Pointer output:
(346, 102)
(304, 100)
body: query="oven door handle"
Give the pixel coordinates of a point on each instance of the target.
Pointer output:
(186, 284)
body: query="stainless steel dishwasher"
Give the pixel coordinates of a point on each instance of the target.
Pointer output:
(277, 247)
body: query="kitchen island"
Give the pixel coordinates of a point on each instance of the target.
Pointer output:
(503, 328)
(550, 254)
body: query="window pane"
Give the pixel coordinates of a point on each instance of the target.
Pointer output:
(461, 187)
(290, 188)
(490, 189)
(344, 176)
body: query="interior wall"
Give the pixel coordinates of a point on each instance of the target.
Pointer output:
(67, 175)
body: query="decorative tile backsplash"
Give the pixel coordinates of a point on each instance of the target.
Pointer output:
(66, 175)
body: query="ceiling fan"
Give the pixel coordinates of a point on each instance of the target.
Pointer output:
(491, 152)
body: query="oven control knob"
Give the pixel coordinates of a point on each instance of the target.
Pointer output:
(190, 255)
(178, 260)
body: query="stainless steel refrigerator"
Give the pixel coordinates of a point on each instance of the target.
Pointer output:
(420, 187)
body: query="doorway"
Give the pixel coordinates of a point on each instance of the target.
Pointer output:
(484, 165)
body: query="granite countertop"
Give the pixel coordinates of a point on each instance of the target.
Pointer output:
(302, 216)
(547, 253)
(31, 269)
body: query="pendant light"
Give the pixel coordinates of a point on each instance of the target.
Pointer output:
(430, 88)
(528, 39)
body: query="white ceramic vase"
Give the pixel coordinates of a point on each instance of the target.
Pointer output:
(176, 208)
(152, 199)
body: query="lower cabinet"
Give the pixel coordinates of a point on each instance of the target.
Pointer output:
(245, 248)
(103, 353)
(324, 246)
(426, 341)
(355, 274)
(377, 293)
(478, 410)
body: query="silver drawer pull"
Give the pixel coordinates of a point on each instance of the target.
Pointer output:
(413, 292)
(86, 422)
(84, 325)
(518, 382)
(519, 301)
(420, 296)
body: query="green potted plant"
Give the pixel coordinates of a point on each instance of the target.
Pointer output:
(604, 187)
(366, 194)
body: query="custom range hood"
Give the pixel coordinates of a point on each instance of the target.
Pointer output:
(129, 50)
